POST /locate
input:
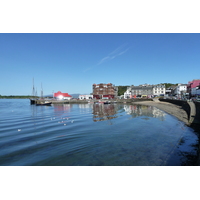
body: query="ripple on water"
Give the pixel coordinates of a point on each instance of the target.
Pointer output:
(92, 135)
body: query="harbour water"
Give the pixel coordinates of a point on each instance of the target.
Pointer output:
(92, 135)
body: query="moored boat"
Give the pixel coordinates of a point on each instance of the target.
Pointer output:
(32, 101)
(44, 104)
(106, 102)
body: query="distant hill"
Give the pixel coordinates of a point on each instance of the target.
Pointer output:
(75, 95)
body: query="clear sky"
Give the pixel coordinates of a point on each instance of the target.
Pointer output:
(72, 62)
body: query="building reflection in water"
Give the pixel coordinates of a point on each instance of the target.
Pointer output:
(142, 110)
(85, 108)
(103, 112)
(60, 109)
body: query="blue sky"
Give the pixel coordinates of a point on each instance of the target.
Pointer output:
(72, 62)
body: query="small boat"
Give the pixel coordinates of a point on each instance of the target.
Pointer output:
(106, 102)
(32, 101)
(44, 104)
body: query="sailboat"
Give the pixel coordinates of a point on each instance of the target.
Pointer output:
(33, 100)
(42, 102)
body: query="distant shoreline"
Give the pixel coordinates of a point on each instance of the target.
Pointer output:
(15, 97)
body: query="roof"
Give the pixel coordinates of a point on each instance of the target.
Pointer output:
(194, 83)
(63, 94)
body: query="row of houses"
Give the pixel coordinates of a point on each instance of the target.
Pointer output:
(110, 91)
(192, 89)
(144, 91)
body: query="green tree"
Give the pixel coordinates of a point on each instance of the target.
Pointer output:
(167, 85)
(121, 90)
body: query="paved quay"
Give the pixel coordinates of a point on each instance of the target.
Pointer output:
(170, 108)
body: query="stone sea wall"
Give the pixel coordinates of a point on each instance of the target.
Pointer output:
(197, 117)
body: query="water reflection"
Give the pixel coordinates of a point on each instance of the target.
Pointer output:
(150, 138)
(84, 106)
(103, 112)
(62, 108)
(142, 110)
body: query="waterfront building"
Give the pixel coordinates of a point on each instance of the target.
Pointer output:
(85, 96)
(145, 90)
(142, 91)
(159, 90)
(170, 90)
(62, 96)
(127, 94)
(193, 87)
(104, 91)
(180, 90)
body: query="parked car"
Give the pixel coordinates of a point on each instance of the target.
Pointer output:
(195, 99)
(198, 99)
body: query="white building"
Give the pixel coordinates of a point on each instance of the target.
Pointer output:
(195, 91)
(127, 94)
(180, 89)
(145, 90)
(159, 90)
(85, 96)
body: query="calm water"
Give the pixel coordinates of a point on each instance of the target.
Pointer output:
(92, 134)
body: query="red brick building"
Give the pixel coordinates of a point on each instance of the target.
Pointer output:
(104, 91)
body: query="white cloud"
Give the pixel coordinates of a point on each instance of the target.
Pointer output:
(117, 52)
(103, 60)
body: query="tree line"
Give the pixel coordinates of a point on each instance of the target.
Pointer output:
(18, 97)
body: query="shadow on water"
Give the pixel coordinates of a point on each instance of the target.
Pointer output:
(185, 154)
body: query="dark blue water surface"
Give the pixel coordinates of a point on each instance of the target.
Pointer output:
(92, 134)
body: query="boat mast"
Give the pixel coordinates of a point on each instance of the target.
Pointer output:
(41, 91)
(33, 91)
